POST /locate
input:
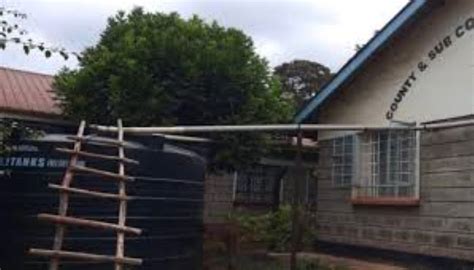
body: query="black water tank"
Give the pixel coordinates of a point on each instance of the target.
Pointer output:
(168, 206)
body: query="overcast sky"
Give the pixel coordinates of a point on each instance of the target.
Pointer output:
(325, 31)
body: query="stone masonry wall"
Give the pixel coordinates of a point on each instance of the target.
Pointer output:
(442, 225)
(218, 197)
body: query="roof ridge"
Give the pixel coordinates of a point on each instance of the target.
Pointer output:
(26, 71)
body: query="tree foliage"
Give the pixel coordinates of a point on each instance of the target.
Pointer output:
(301, 79)
(13, 131)
(155, 69)
(12, 33)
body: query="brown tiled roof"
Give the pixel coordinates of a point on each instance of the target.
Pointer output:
(27, 93)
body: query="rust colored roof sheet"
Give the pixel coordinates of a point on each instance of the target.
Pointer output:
(27, 93)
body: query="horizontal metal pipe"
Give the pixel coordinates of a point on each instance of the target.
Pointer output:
(463, 123)
(242, 128)
(179, 138)
(280, 128)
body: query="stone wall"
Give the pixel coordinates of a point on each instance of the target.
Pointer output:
(218, 200)
(218, 197)
(443, 223)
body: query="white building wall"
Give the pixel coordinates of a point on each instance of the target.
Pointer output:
(443, 222)
(444, 89)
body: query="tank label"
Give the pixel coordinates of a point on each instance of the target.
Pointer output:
(36, 162)
(33, 156)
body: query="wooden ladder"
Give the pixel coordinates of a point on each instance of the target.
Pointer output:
(62, 219)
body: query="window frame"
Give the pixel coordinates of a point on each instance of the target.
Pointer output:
(337, 183)
(384, 200)
(250, 179)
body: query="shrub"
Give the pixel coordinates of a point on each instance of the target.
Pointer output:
(273, 229)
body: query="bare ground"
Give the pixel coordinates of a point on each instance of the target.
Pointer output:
(350, 263)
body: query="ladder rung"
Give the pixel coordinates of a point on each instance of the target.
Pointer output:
(94, 155)
(84, 256)
(102, 173)
(105, 141)
(90, 193)
(88, 223)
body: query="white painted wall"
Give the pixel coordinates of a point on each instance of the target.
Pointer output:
(444, 90)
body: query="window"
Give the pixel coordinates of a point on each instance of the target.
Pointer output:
(343, 161)
(255, 186)
(381, 166)
(308, 187)
(388, 164)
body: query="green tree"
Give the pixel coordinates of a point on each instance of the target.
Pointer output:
(12, 131)
(11, 32)
(155, 69)
(301, 79)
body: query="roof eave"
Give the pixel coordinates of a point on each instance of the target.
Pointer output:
(354, 64)
(11, 112)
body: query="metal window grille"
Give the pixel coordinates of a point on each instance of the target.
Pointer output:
(309, 194)
(343, 161)
(255, 186)
(388, 166)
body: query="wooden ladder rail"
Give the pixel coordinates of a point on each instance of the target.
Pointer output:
(90, 193)
(89, 223)
(120, 248)
(84, 256)
(97, 156)
(64, 198)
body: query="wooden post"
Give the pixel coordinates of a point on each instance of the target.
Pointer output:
(296, 206)
(277, 189)
(120, 250)
(64, 199)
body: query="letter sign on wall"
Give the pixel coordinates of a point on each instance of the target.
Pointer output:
(438, 49)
